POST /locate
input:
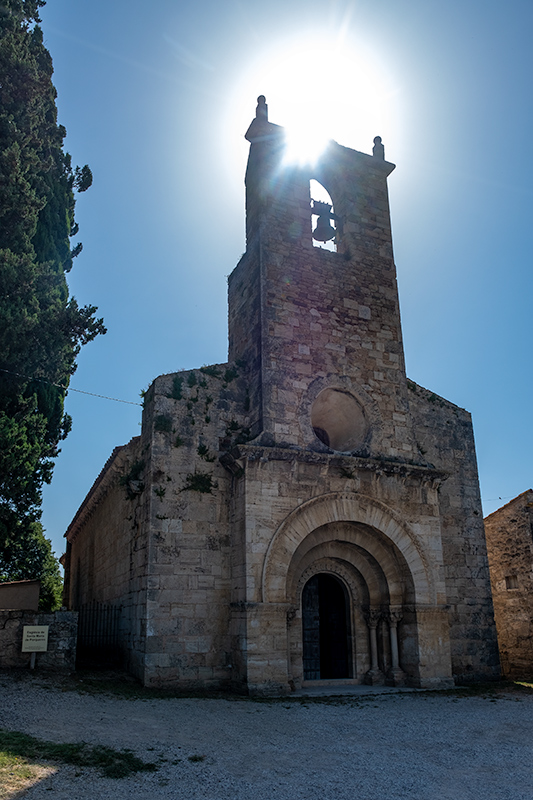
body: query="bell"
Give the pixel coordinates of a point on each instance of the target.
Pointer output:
(324, 230)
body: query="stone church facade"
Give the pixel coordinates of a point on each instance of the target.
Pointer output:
(303, 512)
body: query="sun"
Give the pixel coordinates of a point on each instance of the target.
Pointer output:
(304, 143)
(320, 90)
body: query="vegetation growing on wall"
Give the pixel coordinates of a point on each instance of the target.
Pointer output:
(160, 491)
(230, 374)
(203, 452)
(132, 480)
(236, 433)
(210, 370)
(163, 423)
(200, 482)
(176, 393)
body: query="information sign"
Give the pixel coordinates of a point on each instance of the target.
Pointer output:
(35, 639)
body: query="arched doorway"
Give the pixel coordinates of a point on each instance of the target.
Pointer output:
(327, 651)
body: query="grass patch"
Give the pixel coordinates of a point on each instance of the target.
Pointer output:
(21, 748)
(523, 686)
(17, 774)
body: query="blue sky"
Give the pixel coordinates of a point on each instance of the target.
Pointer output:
(156, 98)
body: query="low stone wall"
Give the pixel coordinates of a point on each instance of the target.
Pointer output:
(62, 636)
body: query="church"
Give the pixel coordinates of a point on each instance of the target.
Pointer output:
(303, 514)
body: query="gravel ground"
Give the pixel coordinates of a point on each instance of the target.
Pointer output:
(420, 746)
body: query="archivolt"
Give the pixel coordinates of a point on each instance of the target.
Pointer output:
(347, 572)
(381, 580)
(342, 507)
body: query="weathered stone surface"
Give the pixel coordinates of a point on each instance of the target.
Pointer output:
(445, 437)
(307, 454)
(510, 546)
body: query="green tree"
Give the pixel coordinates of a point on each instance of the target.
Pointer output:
(41, 328)
(31, 556)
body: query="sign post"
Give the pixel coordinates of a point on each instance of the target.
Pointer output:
(34, 640)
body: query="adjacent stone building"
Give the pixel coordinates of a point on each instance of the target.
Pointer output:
(303, 512)
(510, 547)
(20, 595)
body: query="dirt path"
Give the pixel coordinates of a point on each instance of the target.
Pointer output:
(386, 747)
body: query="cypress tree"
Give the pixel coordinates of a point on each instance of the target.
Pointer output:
(41, 328)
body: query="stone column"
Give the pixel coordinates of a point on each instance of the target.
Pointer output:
(374, 676)
(395, 675)
(295, 681)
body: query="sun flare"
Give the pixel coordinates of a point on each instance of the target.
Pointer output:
(304, 144)
(319, 90)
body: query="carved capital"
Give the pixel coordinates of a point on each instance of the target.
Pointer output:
(394, 617)
(373, 616)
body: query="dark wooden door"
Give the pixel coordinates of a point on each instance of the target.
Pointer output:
(326, 649)
(333, 629)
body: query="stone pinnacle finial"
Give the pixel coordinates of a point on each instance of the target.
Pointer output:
(261, 130)
(261, 111)
(378, 151)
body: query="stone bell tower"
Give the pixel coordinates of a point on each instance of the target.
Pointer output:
(321, 329)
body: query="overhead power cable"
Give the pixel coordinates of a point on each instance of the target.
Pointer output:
(70, 388)
(131, 403)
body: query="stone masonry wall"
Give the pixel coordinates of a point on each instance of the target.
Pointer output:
(107, 549)
(190, 419)
(62, 634)
(315, 317)
(445, 438)
(510, 546)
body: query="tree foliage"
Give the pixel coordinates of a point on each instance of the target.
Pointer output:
(41, 328)
(30, 556)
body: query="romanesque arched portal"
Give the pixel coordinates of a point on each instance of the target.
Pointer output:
(357, 544)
